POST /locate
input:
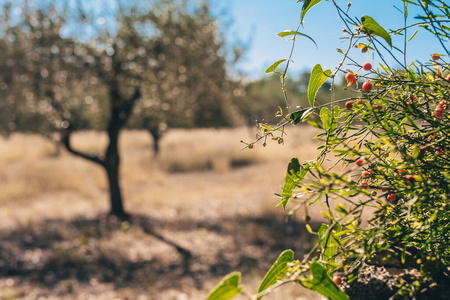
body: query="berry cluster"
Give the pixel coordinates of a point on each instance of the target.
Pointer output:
(352, 78)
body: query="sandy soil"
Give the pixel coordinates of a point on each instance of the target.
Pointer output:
(188, 229)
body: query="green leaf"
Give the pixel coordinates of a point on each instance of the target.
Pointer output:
(416, 151)
(318, 77)
(414, 34)
(403, 256)
(322, 283)
(337, 114)
(294, 175)
(411, 122)
(325, 116)
(370, 26)
(290, 32)
(328, 240)
(307, 5)
(275, 65)
(299, 115)
(294, 166)
(386, 69)
(277, 271)
(227, 288)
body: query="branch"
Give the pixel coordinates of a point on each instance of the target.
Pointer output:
(65, 139)
(129, 103)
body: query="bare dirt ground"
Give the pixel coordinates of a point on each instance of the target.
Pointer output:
(202, 195)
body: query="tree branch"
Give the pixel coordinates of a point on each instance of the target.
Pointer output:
(65, 139)
(130, 102)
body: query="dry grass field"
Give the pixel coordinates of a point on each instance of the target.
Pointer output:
(202, 194)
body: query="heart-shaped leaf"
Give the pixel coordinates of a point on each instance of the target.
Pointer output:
(318, 77)
(277, 271)
(227, 288)
(370, 26)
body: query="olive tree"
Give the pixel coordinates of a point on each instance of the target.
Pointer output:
(69, 67)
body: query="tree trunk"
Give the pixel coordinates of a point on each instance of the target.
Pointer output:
(156, 138)
(121, 109)
(112, 163)
(112, 171)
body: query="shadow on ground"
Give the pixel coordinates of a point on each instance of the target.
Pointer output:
(147, 255)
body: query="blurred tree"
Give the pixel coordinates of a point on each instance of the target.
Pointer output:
(190, 85)
(66, 68)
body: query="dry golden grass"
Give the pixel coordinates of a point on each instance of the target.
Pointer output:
(202, 193)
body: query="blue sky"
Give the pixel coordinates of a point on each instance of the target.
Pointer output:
(258, 22)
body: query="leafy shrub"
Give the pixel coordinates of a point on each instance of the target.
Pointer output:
(384, 152)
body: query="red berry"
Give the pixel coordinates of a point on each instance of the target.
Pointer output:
(364, 185)
(391, 197)
(410, 179)
(438, 152)
(438, 114)
(359, 102)
(370, 171)
(367, 86)
(384, 191)
(365, 174)
(435, 56)
(410, 100)
(359, 162)
(349, 104)
(337, 280)
(376, 107)
(351, 79)
(367, 66)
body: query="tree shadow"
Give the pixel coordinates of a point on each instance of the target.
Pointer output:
(145, 253)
